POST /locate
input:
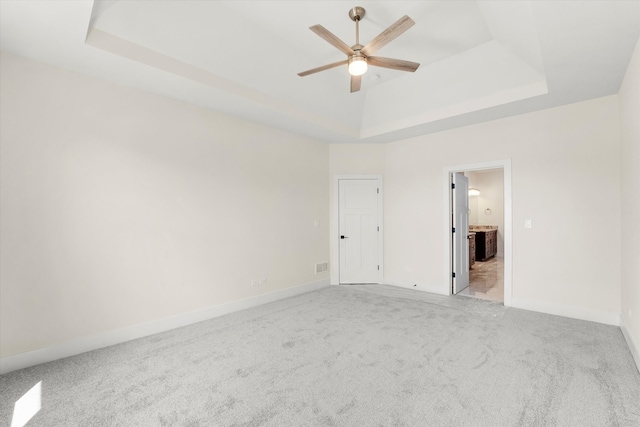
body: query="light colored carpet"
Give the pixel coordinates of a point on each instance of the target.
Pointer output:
(348, 356)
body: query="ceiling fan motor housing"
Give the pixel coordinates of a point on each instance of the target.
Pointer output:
(356, 13)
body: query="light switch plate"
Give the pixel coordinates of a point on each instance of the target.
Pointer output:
(527, 223)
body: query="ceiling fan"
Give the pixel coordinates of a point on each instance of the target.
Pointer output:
(358, 55)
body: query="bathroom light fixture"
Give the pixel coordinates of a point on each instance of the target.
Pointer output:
(474, 191)
(357, 64)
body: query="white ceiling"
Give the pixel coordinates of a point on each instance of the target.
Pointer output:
(480, 60)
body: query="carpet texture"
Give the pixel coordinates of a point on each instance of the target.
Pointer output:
(348, 356)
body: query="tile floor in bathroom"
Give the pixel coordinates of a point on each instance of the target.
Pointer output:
(486, 280)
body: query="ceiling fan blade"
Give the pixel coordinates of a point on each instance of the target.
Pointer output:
(395, 64)
(397, 28)
(332, 39)
(355, 83)
(324, 67)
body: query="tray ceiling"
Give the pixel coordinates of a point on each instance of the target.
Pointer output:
(480, 60)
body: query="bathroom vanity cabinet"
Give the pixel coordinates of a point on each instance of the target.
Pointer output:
(472, 248)
(486, 243)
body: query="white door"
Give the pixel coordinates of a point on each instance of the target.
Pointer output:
(460, 232)
(358, 230)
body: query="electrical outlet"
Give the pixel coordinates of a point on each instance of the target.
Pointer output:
(527, 223)
(255, 282)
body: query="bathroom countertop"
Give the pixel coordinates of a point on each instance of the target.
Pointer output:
(483, 228)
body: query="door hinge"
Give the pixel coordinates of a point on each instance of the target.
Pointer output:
(454, 274)
(377, 190)
(453, 186)
(453, 229)
(378, 268)
(378, 228)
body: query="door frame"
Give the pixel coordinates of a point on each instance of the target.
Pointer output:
(334, 241)
(505, 165)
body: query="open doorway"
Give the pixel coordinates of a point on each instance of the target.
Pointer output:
(485, 233)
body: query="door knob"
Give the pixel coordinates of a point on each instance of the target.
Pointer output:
(343, 237)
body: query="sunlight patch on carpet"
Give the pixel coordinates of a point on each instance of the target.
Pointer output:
(27, 406)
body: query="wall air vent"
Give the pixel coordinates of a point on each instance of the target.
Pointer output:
(322, 267)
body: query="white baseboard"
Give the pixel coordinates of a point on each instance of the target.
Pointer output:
(599, 316)
(94, 342)
(633, 346)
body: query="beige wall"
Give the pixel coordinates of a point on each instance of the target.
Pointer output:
(563, 159)
(356, 159)
(121, 207)
(630, 166)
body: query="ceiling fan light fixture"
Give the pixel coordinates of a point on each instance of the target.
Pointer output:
(359, 57)
(357, 65)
